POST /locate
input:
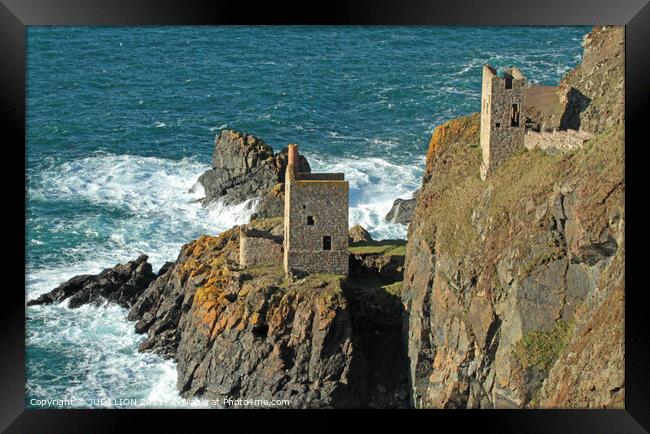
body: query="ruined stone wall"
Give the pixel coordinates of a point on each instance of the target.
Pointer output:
(325, 205)
(500, 140)
(556, 141)
(320, 176)
(486, 112)
(290, 179)
(257, 250)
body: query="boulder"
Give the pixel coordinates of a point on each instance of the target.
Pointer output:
(359, 234)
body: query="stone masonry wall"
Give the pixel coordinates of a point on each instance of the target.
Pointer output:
(326, 202)
(336, 262)
(556, 141)
(486, 118)
(502, 139)
(256, 251)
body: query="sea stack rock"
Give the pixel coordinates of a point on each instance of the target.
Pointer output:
(271, 204)
(402, 210)
(243, 167)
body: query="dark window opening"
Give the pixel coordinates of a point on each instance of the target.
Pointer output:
(310, 220)
(304, 207)
(508, 82)
(514, 116)
(327, 243)
(497, 125)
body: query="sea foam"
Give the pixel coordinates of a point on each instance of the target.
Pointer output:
(91, 352)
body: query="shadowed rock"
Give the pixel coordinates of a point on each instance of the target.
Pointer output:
(121, 284)
(243, 167)
(402, 210)
(271, 204)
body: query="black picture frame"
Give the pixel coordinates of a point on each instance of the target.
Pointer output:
(15, 15)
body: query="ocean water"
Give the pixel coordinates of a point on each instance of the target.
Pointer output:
(121, 122)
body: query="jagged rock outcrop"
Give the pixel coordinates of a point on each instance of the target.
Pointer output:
(377, 264)
(358, 233)
(271, 205)
(121, 284)
(402, 210)
(253, 333)
(244, 167)
(252, 338)
(513, 287)
(249, 333)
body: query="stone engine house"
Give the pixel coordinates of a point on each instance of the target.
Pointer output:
(516, 115)
(315, 220)
(502, 116)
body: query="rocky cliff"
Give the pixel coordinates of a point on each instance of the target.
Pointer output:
(593, 93)
(320, 341)
(254, 334)
(244, 167)
(513, 287)
(508, 293)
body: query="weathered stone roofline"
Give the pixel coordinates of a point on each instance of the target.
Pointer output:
(487, 69)
(301, 176)
(513, 72)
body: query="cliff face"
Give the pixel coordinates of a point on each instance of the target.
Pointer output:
(249, 334)
(513, 287)
(593, 93)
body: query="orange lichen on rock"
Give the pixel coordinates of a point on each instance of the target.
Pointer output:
(464, 129)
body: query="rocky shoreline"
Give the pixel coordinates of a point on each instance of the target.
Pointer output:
(253, 333)
(508, 293)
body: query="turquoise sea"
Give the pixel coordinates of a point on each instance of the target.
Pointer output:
(121, 122)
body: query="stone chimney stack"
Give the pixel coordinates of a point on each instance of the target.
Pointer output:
(293, 161)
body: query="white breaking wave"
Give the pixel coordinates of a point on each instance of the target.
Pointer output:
(98, 345)
(159, 197)
(93, 358)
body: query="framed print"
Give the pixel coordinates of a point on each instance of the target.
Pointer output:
(374, 207)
